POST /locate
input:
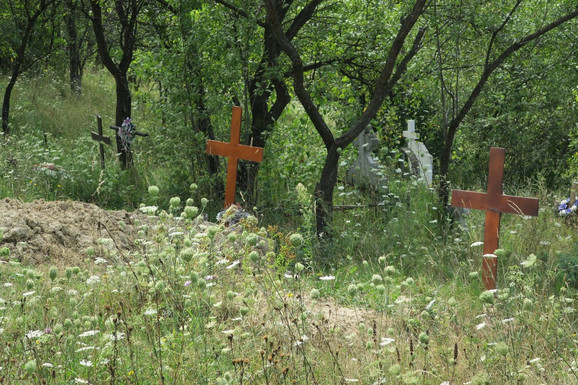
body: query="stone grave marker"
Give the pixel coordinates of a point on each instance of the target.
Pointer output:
(494, 202)
(125, 135)
(234, 151)
(100, 138)
(420, 160)
(365, 171)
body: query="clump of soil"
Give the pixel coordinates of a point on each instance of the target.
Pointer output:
(61, 232)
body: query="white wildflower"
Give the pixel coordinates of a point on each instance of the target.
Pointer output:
(89, 333)
(150, 311)
(28, 293)
(84, 349)
(93, 280)
(480, 326)
(327, 278)
(478, 243)
(148, 209)
(85, 363)
(386, 341)
(113, 337)
(34, 334)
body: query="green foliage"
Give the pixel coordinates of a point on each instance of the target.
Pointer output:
(203, 303)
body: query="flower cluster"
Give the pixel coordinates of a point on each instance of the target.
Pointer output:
(127, 132)
(565, 208)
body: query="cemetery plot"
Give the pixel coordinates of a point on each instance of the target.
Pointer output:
(234, 151)
(420, 160)
(100, 138)
(494, 203)
(365, 171)
(125, 135)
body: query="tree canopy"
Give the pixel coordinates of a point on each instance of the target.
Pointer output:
(472, 73)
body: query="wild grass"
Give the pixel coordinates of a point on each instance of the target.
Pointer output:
(202, 303)
(401, 301)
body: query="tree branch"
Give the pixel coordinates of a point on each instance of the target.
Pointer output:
(273, 21)
(383, 83)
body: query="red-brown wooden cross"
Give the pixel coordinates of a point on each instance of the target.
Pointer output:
(494, 203)
(234, 151)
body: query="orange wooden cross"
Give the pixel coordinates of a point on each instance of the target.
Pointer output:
(234, 151)
(494, 203)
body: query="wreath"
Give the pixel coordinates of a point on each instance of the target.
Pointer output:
(127, 132)
(565, 208)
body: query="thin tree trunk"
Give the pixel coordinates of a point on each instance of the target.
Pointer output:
(75, 63)
(6, 104)
(324, 193)
(123, 111)
(489, 68)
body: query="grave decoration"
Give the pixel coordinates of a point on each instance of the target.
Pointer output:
(366, 171)
(125, 135)
(234, 151)
(100, 138)
(420, 160)
(494, 202)
(569, 205)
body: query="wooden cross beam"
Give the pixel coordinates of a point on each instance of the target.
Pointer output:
(100, 138)
(494, 203)
(234, 151)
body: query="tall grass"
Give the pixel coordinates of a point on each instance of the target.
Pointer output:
(401, 301)
(201, 303)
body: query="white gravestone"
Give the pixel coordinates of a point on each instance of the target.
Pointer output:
(421, 161)
(365, 171)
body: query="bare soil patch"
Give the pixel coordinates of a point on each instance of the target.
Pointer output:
(60, 232)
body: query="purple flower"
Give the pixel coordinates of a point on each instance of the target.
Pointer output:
(187, 283)
(48, 330)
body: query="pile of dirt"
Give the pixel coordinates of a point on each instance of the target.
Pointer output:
(61, 232)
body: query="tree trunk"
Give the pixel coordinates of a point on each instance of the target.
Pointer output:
(17, 66)
(6, 104)
(324, 193)
(123, 111)
(75, 63)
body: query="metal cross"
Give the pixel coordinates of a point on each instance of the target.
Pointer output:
(100, 138)
(234, 151)
(494, 203)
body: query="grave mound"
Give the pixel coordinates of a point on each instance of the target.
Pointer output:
(60, 232)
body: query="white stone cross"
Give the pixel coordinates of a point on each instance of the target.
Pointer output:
(421, 153)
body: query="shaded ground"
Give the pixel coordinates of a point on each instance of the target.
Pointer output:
(60, 232)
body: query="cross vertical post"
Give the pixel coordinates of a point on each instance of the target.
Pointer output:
(234, 151)
(494, 203)
(100, 138)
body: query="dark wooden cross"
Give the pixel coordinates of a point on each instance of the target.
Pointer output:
(234, 151)
(100, 138)
(494, 203)
(123, 148)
